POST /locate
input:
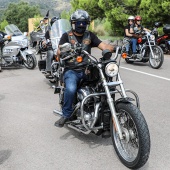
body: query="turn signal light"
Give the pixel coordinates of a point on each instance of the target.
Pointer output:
(79, 59)
(139, 40)
(57, 59)
(124, 55)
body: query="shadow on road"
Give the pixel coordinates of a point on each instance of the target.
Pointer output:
(4, 155)
(92, 140)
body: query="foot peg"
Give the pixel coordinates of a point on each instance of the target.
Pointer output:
(57, 112)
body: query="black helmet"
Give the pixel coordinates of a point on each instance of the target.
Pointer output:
(53, 19)
(80, 20)
(80, 15)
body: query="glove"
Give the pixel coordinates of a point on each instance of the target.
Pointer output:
(106, 54)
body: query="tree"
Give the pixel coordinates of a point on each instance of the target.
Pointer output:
(91, 6)
(18, 14)
(117, 11)
(3, 24)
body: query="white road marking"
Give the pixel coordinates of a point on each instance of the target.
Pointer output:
(164, 78)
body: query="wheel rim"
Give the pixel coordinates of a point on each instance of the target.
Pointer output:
(155, 60)
(129, 146)
(29, 63)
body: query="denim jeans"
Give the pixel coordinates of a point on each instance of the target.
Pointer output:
(71, 80)
(133, 41)
(49, 60)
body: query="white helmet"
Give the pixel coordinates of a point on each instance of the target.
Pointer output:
(131, 17)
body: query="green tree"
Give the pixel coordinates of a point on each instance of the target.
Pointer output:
(91, 6)
(3, 24)
(18, 14)
(117, 11)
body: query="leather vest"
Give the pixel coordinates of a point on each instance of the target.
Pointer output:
(86, 41)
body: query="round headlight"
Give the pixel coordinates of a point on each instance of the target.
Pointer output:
(111, 69)
(152, 37)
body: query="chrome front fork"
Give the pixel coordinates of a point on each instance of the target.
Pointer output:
(111, 103)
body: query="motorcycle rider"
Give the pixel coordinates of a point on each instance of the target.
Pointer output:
(47, 44)
(73, 73)
(130, 36)
(2, 35)
(138, 28)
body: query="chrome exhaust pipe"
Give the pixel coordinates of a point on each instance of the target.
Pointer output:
(57, 113)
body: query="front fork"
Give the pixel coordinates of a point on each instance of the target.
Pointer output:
(111, 104)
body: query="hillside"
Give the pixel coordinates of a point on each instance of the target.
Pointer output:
(55, 6)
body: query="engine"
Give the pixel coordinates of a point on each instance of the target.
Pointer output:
(88, 104)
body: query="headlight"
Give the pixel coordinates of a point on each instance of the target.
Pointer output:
(152, 37)
(111, 69)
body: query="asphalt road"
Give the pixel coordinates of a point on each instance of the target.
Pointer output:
(30, 141)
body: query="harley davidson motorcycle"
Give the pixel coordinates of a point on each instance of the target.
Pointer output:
(102, 104)
(59, 27)
(15, 50)
(147, 50)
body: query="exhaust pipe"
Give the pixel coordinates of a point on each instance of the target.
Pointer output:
(57, 112)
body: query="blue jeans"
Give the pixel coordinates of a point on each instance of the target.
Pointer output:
(133, 41)
(71, 80)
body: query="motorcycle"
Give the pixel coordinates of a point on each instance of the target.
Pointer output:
(59, 27)
(164, 40)
(147, 50)
(102, 105)
(15, 50)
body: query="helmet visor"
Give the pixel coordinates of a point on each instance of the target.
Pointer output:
(81, 23)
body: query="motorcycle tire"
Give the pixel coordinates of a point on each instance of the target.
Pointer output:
(156, 61)
(164, 48)
(31, 62)
(133, 151)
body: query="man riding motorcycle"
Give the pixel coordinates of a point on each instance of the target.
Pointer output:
(73, 72)
(47, 44)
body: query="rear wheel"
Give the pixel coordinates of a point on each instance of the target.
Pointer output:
(133, 151)
(31, 61)
(156, 60)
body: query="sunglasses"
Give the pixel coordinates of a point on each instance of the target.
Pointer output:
(138, 20)
(81, 23)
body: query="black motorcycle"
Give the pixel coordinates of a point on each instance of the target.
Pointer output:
(164, 40)
(147, 50)
(102, 105)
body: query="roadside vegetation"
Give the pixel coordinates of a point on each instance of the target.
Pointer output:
(109, 16)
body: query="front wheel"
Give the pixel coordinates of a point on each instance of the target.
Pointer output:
(156, 60)
(133, 151)
(31, 61)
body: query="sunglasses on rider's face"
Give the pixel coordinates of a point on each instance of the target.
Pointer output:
(81, 23)
(138, 20)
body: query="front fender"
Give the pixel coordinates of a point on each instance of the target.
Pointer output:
(127, 100)
(25, 53)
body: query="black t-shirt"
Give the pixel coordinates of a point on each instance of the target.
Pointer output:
(95, 41)
(127, 27)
